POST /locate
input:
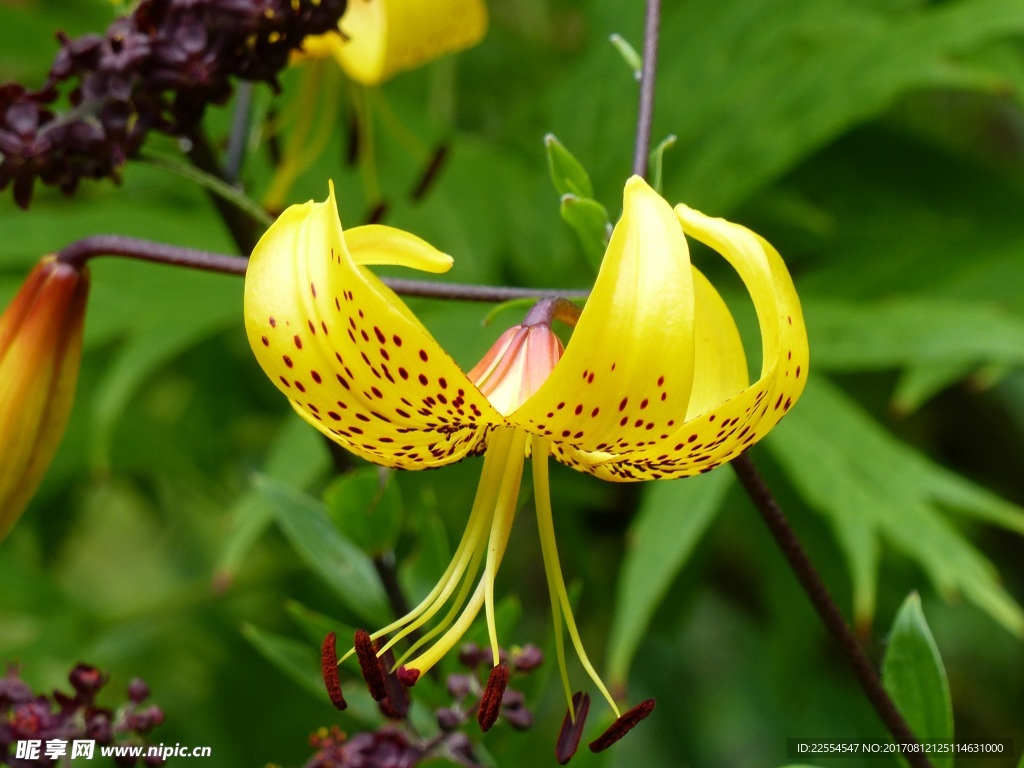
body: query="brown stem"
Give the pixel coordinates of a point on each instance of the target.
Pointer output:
(645, 112)
(826, 607)
(80, 251)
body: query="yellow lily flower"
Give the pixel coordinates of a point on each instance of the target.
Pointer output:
(40, 350)
(652, 384)
(380, 38)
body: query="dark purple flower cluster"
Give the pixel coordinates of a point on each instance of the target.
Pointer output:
(25, 716)
(394, 746)
(155, 69)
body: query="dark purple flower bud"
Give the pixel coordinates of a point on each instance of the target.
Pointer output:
(13, 690)
(527, 658)
(460, 685)
(138, 691)
(86, 680)
(520, 718)
(449, 719)
(99, 728)
(471, 655)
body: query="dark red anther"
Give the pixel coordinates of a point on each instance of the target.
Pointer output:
(369, 665)
(408, 677)
(329, 670)
(572, 730)
(622, 726)
(396, 705)
(490, 702)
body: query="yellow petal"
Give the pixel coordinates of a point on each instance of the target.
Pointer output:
(384, 37)
(350, 356)
(627, 372)
(377, 244)
(40, 351)
(721, 432)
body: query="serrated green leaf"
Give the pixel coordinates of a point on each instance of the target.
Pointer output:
(367, 508)
(567, 173)
(590, 221)
(913, 674)
(653, 559)
(339, 562)
(855, 473)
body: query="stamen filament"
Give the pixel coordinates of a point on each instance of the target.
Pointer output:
(552, 568)
(508, 494)
(501, 525)
(483, 505)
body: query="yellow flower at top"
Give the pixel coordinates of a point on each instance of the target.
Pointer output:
(652, 384)
(380, 38)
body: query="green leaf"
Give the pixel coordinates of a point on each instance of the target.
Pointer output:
(629, 54)
(316, 625)
(339, 562)
(298, 455)
(366, 506)
(900, 332)
(301, 662)
(657, 158)
(913, 674)
(869, 485)
(918, 384)
(567, 173)
(673, 516)
(590, 221)
(209, 182)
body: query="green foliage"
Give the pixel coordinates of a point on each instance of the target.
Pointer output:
(875, 143)
(913, 674)
(366, 507)
(871, 487)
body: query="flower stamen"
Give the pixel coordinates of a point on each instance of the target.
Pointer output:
(329, 670)
(622, 725)
(553, 571)
(490, 702)
(572, 727)
(370, 665)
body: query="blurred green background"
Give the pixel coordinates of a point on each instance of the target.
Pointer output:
(878, 144)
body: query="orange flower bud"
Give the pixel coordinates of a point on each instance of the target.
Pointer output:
(40, 350)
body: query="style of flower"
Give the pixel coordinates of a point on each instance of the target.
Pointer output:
(380, 38)
(652, 384)
(40, 351)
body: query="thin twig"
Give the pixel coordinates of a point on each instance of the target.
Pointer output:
(826, 607)
(645, 112)
(80, 251)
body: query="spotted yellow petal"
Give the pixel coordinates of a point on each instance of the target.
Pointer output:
(714, 434)
(627, 372)
(381, 38)
(350, 356)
